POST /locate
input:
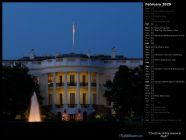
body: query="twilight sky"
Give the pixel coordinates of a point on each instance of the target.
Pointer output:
(47, 28)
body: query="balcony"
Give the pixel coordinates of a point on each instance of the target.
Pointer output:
(83, 84)
(71, 83)
(69, 105)
(59, 84)
(59, 105)
(72, 105)
(84, 105)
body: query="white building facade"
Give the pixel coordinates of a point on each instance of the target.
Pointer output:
(73, 82)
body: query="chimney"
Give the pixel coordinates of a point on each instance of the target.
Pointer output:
(113, 52)
(88, 52)
(32, 54)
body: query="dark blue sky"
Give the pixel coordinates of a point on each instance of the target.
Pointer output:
(47, 28)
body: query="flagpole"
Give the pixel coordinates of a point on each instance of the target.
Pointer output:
(73, 31)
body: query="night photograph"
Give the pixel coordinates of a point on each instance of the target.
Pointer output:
(73, 64)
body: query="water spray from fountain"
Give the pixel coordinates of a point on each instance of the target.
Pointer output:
(34, 113)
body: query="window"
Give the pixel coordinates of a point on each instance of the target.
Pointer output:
(60, 79)
(49, 79)
(59, 59)
(84, 98)
(49, 60)
(61, 99)
(72, 78)
(70, 59)
(84, 78)
(36, 62)
(94, 78)
(72, 98)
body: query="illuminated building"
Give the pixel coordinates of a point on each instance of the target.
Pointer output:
(73, 83)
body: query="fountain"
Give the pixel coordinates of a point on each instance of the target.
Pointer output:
(34, 114)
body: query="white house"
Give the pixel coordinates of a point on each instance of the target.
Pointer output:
(74, 82)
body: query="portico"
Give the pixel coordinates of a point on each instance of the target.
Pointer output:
(73, 89)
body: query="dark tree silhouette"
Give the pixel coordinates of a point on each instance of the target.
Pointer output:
(18, 87)
(126, 91)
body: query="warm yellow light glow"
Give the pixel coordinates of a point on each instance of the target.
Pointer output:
(78, 117)
(65, 117)
(34, 115)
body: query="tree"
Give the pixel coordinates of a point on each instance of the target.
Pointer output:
(126, 91)
(18, 87)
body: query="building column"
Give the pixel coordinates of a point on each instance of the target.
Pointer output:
(89, 88)
(46, 88)
(78, 90)
(65, 91)
(54, 90)
(97, 88)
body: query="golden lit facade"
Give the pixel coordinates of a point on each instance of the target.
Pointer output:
(72, 88)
